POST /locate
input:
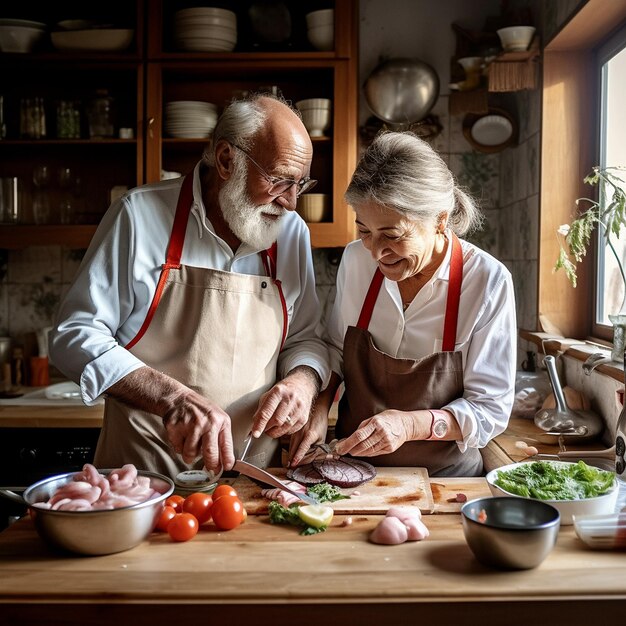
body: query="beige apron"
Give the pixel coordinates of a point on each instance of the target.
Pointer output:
(218, 333)
(376, 381)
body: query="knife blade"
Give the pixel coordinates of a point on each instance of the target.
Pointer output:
(252, 471)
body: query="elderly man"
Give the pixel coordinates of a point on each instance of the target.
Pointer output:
(194, 310)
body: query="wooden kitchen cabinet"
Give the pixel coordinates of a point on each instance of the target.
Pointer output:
(80, 170)
(153, 72)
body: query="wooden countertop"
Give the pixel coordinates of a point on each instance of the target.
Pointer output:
(262, 573)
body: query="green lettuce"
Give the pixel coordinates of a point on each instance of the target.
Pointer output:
(550, 481)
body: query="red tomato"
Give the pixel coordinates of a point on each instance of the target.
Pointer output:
(228, 512)
(224, 490)
(167, 514)
(183, 527)
(199, 505)
(176, 502)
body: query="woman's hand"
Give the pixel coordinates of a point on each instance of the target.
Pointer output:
(385, 433)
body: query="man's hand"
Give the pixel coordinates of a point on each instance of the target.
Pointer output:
(197, 427)
(313, 432)
(285, 408)
(194, 425)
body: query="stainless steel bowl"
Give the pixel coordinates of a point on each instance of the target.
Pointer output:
(96, 532)
(510, 533)
(402, 91)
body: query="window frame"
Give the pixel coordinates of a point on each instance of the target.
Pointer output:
(568, 152)
(607, 48)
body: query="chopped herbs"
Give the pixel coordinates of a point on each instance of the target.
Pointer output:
(323, 492)
(552, 481)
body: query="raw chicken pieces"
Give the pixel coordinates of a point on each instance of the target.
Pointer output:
(91, 491)
(284, 497)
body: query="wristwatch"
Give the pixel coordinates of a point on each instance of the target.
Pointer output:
(439, 425)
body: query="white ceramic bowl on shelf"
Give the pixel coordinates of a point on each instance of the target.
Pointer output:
(314, 103)
(94, 39)
(322, 37)
(516, 38)
(20, 35)
(313, 207)
(471, 64)
(320, 18)
(567, 508)
(316, 121)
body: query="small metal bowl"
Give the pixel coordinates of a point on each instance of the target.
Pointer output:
(508, 532)
(96, 532)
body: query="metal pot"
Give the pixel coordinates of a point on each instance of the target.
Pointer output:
(402, 91)
(93, 532)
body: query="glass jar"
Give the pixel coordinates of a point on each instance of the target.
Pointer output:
(101, 115)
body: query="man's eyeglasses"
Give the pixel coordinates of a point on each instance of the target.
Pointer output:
(278, 186)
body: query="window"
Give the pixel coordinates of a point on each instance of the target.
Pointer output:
(611, 67)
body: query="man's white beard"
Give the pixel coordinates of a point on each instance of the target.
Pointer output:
(244, 218)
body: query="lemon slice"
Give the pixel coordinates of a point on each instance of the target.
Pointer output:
(316, 515)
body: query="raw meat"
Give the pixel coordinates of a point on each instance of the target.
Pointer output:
(91, 491)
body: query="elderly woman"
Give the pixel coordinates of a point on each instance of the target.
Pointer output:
(423, 327)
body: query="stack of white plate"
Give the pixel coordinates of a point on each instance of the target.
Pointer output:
(205, 29)
(190, 119)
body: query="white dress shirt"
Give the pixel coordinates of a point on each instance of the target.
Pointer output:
(486, 331)
(111, 294)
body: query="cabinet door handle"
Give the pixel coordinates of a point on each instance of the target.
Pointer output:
(150, 128)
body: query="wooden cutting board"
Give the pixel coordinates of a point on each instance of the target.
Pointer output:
(393, 486)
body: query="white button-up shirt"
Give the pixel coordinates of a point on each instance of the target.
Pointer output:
(486, 331)
(112, 292)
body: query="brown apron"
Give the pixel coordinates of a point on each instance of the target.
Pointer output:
(376, 381)
(218, 333)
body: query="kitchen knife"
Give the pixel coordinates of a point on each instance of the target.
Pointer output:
(252, 471)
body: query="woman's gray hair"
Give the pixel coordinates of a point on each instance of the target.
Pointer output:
(238, 124)
(402, 172)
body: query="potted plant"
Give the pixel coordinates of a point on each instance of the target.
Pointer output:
(608, 214)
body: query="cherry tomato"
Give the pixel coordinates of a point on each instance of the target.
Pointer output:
(183, 527)
(167, 514)
(228, 512)
(176, 502)
(224, 490)
(199, 505)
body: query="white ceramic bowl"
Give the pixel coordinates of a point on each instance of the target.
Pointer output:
(321, 37)
(567, 508)
(94, 40)
(320, 18)
(491, 130)
(313, 207)
(316, 121)
(516, 38)
(314, 103)
(15, 38)
(471, 64)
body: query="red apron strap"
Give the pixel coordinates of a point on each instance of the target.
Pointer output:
(177, 238)
(370, 300)
(452, 302)
(454, 295)
(270, 258)
(174, 252)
